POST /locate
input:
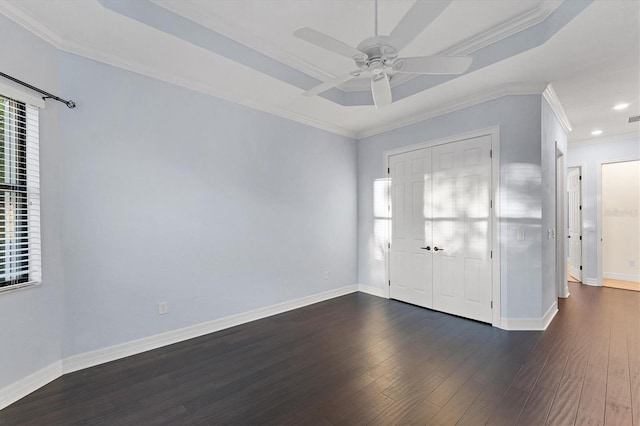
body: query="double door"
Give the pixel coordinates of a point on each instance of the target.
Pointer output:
(440, 254)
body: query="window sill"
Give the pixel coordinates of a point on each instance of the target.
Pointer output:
(16, 287)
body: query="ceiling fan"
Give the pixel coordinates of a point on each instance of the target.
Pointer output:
(378, 55)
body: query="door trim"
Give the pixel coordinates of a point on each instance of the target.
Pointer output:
(494, 132)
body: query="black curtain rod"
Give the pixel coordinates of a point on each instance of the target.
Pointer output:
(47, 95)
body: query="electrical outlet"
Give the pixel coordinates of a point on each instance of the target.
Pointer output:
(325, 275)
(163, 308)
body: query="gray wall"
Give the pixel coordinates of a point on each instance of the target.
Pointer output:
(520, 188)
(552, 133)
(31, 318)
(177, 196)
(591, 157)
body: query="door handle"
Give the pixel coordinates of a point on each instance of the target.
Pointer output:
(426, 248)
(438, 249)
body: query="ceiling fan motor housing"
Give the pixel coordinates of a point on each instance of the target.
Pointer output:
(379, 53)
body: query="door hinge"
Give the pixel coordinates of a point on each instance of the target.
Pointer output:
(491, 254)
(492, 304)
(580, 237)
(580, 207)
(579, 177)
(388, 245)
(490, 153)
(388, 170)
(490, 204)
(581, 267)
(389, 282)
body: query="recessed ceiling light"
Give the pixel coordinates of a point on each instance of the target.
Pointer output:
(620, 107)
(596, 132)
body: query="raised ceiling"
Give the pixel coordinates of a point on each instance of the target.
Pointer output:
(244, 51)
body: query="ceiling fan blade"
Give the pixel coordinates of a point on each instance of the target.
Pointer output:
(381, 90)
(419, 17)
(433, 64)
(327, 42)
(329, 84)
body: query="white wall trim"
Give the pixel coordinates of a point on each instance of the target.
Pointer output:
(111, 353)
(25, 386)
(623, 277)
(557, 108)
(32, 382)
(591, 281)
(374, 291)
(460, 103)
(531, 324)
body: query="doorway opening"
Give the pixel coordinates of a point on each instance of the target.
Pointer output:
(620, 241)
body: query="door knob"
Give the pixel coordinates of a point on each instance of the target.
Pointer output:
(437, 249)
(426, 248)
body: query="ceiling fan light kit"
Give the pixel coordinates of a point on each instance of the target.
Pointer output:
(378, 55)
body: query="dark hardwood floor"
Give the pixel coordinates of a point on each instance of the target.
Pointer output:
(362, 359)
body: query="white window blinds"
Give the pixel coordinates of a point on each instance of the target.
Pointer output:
(20, 259)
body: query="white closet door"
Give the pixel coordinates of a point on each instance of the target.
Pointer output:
(461, 174)
(410, 270)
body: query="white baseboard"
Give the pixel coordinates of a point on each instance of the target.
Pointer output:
(374, 291)
(530, 324)
(622, 277)
(112, 353)
(32, 382)
(591, 281)
(25, 386)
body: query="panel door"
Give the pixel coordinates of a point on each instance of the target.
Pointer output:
(575, 223)
(461, 174)
(410, 269)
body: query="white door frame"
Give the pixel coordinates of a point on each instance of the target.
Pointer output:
(599, 222)
(494, 132)
(562, 290)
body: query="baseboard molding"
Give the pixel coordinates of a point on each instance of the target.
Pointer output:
(374, 291)
(112, 353)
(530, 324)
(32, 382)
(622, 277)
(25, 386)
(592, 281)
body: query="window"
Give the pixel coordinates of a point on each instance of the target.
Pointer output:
(20, 262)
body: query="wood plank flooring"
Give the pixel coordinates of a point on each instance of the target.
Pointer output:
(359, 359)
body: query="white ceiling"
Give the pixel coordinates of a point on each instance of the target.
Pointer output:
(593, 62)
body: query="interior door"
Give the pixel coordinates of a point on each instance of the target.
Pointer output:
(575, 223)
(461, 175)
(410, 270)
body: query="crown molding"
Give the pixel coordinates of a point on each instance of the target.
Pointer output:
(460, 103)
(554, 102)
(503, 29)
(23, 19)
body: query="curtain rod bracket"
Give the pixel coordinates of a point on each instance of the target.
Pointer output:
(47, 95)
